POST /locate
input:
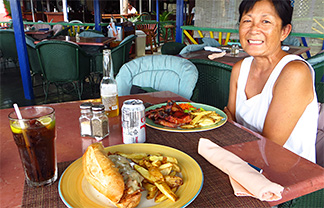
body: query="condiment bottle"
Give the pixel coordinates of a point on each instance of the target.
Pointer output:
(99, 121)
(77, 37)
(85, 119)
(235, 49)
(108, 86)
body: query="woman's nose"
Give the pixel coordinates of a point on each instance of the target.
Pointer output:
(254, 28)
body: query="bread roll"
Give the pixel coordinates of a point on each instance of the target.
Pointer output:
(102, 174)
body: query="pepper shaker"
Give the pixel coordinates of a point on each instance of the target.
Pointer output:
(100, 122)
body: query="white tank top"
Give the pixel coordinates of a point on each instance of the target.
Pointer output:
(251, 113)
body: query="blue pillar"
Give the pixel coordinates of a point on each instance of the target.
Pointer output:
(179, 21)
(158, 20)
(97, 15)
(18, 25)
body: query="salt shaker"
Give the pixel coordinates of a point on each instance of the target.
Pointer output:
(235, 49)
(85, 119)
(100, 122)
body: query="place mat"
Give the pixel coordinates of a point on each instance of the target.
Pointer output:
(47, 196)
(218, 190)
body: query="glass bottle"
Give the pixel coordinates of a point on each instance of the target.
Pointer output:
(100, 122)
(108, 86)
(85, 119)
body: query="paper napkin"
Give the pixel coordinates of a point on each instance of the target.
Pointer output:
(213, 49)
(245, 180)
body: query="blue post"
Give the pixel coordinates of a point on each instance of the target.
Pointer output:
(18, 25)
(97, 15)
(305, 44)
(179, 21)
(158, 20)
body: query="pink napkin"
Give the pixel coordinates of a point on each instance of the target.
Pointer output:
(245, 180)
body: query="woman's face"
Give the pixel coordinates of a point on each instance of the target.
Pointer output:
(260, 30)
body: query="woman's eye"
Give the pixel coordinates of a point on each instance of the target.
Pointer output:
(266, 21)
(246, 20)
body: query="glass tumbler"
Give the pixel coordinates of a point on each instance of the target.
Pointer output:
(35, 137)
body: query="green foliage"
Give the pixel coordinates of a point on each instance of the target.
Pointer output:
(164, 16)
(132, 19)
(7, 7)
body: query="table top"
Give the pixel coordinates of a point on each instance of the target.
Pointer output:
(232, 59)
(38, 32)
(91, 41)
(299, 176)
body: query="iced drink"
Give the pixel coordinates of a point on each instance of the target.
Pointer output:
(35, 138)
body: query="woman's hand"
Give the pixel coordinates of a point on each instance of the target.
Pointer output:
(228, 113)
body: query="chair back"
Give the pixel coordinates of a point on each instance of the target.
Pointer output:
(317, 62)
(75, 29)
(8, 44)
(172, 48)
(63, 61)
(34, 64)
(91, 33)
(213, 83)
(160, 72)
(119, 55)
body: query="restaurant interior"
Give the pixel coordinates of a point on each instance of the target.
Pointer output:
(170, 59)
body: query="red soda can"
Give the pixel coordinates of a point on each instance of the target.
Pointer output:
(133, 121)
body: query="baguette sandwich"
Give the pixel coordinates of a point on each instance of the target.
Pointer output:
(112, 176)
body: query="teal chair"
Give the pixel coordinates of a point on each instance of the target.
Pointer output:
(8, 47)
(212, 87)
(317, 62)
(172, 48)
(119, 55)
(160, 72)
(91, 33)
(63, 62)
(34, 64)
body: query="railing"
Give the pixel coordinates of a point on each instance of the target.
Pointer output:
(228, 32)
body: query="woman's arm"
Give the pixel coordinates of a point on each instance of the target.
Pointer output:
(230, 108)
(292, 92)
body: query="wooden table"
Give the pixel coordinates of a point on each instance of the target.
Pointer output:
(54, 16)
(299, 176)
(39, 34)
(90, 41)
(232, 59)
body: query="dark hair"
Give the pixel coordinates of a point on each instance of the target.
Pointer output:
(283, 8)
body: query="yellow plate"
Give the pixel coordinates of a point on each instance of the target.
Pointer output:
(153, 125)
(75, 191)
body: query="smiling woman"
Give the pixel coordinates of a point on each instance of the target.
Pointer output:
(266, 94)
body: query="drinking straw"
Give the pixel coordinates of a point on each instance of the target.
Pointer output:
(22, 124)
(23, 127)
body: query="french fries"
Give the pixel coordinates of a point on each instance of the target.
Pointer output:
(161, 175)
(202, 118)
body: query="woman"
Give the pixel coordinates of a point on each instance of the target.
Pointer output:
(273, 92)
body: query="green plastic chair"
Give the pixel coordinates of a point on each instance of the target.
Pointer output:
(172, 48)
(212, 87)
(34, 64)
(63, 62)
(119, 55)
(8, 47)
(317, 62)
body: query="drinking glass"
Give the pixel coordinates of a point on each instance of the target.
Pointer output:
(35, 137)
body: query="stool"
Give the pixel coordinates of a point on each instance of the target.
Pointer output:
(167, 27)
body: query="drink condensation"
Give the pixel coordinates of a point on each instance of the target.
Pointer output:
(133, 122)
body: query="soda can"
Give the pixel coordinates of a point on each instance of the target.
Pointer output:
(133, 121)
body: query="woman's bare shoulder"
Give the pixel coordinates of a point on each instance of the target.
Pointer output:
(296, 70)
